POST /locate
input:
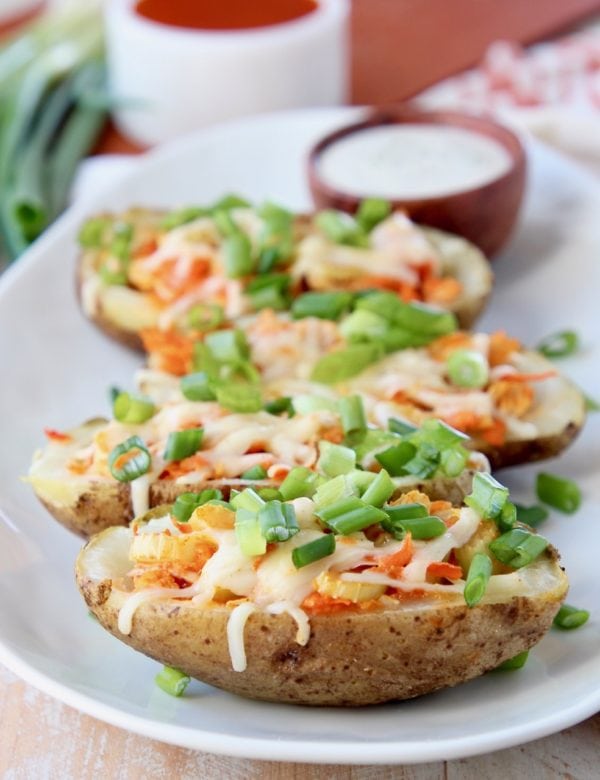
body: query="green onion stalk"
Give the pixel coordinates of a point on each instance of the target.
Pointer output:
(52, 108)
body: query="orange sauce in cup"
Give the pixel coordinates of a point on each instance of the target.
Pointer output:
(224, 14)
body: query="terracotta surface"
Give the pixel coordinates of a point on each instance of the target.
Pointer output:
(485, 215)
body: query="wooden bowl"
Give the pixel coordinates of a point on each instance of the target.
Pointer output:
(484, 215)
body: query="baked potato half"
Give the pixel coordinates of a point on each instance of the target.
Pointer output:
(376, 618)
(143, 271)
(73, 478)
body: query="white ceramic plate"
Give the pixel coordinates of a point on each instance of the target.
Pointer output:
(56, 369)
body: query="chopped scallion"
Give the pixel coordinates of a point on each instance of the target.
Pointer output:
(558, 492)
(183, 444)
(560, 344)
(569, 617)
(518, 547)
(478, 577)
(129, 459)
(133, 409)
(172, 681)
(313, 551)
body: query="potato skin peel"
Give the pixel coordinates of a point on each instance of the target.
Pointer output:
(351, 659)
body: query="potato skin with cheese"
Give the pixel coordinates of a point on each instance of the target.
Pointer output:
(122, 311)
(405, 649)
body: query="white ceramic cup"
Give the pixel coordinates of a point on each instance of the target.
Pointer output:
(169, 80)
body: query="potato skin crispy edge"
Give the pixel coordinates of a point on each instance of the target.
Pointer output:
(351, 659)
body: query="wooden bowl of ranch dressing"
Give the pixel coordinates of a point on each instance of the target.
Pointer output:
(457, 172)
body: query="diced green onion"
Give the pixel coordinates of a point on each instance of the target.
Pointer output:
(398, 513)
(185, 503)
(478, 577)
(197, 387)
(517, 662)
(507, 517)
(256, 472)
(380, 489)
(439, 434)
(133, 409)
(237, 255)
(300, 481)
(569, 617)
(558, 492)
(335, 459)
(352, 414)
(313, 551)
(488, 496)
(269, 494)
(276, 240)
(305, 403)
(279, 406)
(121, 242)
(414, 518)
(182, 216)
(591, 405)
(560, 344)
(346, 363)
(172, 681)
(205, 316)
(242, 398)
(518, 547)
(269, 291)
(324, 305)
(183, 444)
(364, 325)
(204, 360)
(277, 521)
(467, 368)
(350, 515)
(341, 228)
(248, 533)
(132, 467)
(247, 499)
(531, 515)
(414, 316)
(361, 480)
(454, 461)
(92, 233)
(399, 426)
(334, 490)
(394, 458)
(425, 463)
(229, 202)
(370, 443)
(371, 212)
(423, 527)
(228, 346)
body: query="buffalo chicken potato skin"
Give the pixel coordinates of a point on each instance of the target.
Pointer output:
(401, 650)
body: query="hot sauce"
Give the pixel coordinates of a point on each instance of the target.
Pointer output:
(224, 14)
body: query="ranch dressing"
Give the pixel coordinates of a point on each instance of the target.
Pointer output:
(411, 161)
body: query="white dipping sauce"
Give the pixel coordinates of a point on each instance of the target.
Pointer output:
(411, 161)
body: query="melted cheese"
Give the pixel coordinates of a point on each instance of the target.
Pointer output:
(235, 634)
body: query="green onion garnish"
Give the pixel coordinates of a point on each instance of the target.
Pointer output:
(92, 233)
(453, 461)
(591, 405)
(256, 472)
(229, 202)
(352, 414)
(363, 325)
(341, 228)
(237, 255)
(277, 521)
(205, 316)
(569, 617)
(350, 515)
(518, 547)
(248, 533)
(243, 398)
(507, 517)
(185, 503)
(531, 515)
(421, 527)
(129, 459)
(269, 291)
(478, 577)
(197, 387)
(415, 317)
(182, 444)
(280, 406)
(400, 427)
(394, 458)
(324, 305)
(335, 459)
(182, 216)
(269, 494)
(228, 346)
(133, 409)
(247, 499)
(371, 212)
(305, 403)
(300, 481)
(467, 368)
(334, 490)
(558, 492)
(439, 434)
(517, 662)
(346, 363)
(488, 496)
(560, 344)
(313, 551)
(380, 489)
(172, 681)
(121, 242)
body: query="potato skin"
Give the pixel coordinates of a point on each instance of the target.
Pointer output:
(351, 659)
(466, 264)
(515, 452)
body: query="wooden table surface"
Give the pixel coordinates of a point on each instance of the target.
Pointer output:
(42, 739)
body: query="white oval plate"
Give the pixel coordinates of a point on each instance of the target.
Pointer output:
(56, 369)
